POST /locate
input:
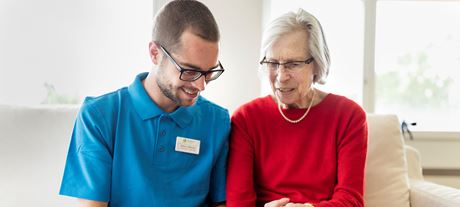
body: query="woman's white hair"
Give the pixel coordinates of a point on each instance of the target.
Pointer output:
(302, 20)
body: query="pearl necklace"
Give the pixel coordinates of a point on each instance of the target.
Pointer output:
(303, 116)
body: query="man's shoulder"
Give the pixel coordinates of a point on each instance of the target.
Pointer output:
(106, 103)
(207, 105)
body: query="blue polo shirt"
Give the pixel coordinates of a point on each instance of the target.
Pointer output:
(123, 151)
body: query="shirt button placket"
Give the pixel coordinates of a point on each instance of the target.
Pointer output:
(162, 134)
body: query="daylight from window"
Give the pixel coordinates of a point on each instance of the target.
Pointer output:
(417, 63)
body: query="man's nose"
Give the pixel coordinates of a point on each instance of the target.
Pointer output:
(200, 83)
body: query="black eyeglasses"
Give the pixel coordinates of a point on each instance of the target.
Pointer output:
(290, 65)
(190, 75)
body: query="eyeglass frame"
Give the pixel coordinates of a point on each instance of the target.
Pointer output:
(307, 62)
(202, 73)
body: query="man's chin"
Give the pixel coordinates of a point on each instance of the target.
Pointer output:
(188, 99)
(188, 102)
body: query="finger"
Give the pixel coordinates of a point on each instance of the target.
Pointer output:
(278, 203)
(295, 205)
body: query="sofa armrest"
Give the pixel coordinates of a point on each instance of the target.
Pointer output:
(427, 194)
(414, 164)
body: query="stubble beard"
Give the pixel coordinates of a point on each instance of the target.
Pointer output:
(166, 88)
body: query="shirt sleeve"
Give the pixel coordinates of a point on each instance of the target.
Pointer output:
(219, 172)
(240, 178)
(352, 150)
(87, 172)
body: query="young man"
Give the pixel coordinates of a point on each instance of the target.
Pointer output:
(156, 142)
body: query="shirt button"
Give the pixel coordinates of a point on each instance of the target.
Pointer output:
(162, 133)
(161, 149)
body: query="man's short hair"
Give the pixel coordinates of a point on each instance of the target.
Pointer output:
(181, 15)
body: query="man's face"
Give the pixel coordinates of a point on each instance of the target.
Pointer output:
(195, 53)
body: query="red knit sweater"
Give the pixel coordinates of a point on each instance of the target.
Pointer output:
(319, 160)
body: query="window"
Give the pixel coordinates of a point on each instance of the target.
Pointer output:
(397, 57)
(416, 62)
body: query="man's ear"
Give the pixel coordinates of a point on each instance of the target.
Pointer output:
(154, 53)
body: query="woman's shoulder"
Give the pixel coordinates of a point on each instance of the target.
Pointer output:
(255, 106)
(258, 102)
(342, 103)
(335, 99)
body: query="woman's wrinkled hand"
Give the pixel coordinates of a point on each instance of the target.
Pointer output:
(284, 202)
(298, 205)
(277, 203)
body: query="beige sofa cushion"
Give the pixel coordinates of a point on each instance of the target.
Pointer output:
(427, 194)
(414, 164)
(386, 182)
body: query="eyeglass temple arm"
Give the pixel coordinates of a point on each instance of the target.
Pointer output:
(262, 61)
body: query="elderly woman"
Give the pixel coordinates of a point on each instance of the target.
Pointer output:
(299, 146)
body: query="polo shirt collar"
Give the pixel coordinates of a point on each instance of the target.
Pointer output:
(184, 114)
(142, 102)
(147, 109)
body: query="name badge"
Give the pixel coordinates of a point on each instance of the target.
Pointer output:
(187, 145)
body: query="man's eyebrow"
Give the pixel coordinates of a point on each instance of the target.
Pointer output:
(188, 65)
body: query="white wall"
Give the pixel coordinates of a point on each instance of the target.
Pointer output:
(88, 48)
(240, 23)
(82, 47)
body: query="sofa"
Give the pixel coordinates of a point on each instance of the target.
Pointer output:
(34, 143)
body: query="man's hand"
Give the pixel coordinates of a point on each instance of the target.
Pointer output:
(277, 203)
(90, 203)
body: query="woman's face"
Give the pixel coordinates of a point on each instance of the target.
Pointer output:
(291, 85)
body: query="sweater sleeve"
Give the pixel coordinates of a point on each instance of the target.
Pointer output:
(240, 177)
(352, 149)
